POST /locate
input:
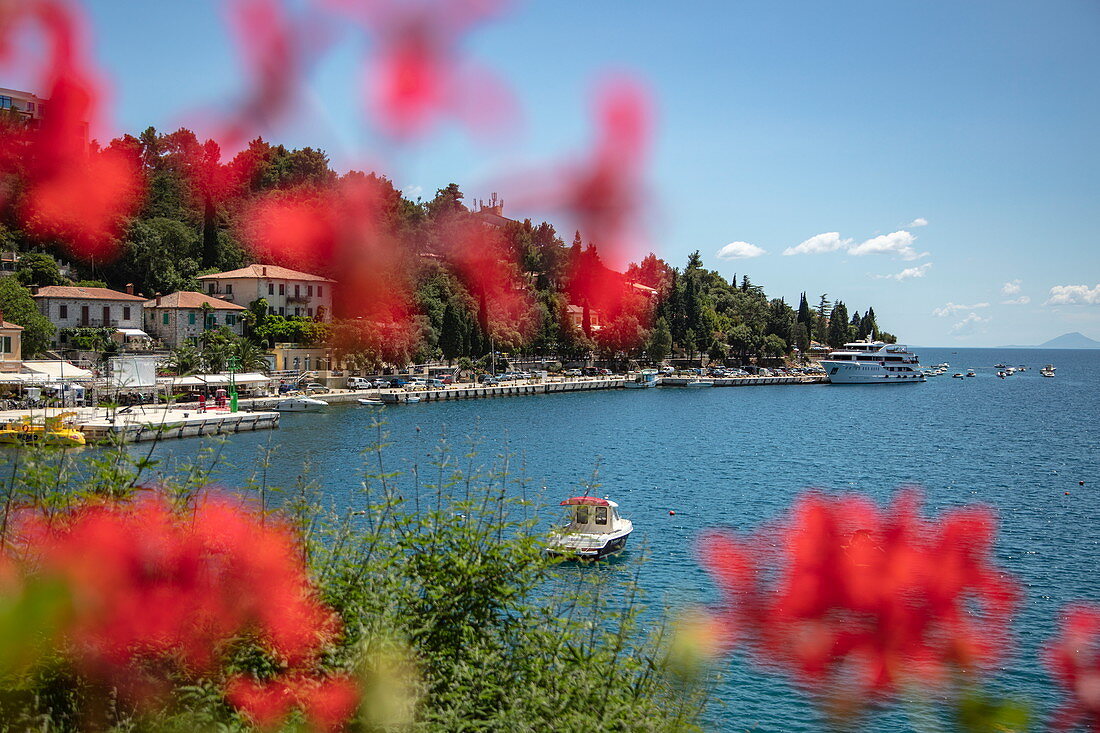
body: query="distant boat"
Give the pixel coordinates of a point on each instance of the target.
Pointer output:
(369, 401)
(958, 375)
(1048, 370)
(971, 373)
(699, 383)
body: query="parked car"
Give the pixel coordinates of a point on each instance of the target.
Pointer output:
(360, 383)
(572, 372)
(315, 388)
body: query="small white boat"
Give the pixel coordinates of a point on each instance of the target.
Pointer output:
(958, 375)
(1048, 370)
(645, 379)
(699, 383)
(971, 373)
(300, 404)
(593, 530)
(370, 401)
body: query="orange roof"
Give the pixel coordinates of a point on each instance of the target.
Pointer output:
(69, 291)
(191, 299)
(271, 272)
(5, 324)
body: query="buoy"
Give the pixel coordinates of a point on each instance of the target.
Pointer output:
(1080, 483)
(671, 513)
(1067, 493)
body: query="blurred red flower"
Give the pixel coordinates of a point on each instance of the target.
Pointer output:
(327, 703)
(855, 595)
(153, 586)
(419, 74)
(74, 193)
(1074, 658)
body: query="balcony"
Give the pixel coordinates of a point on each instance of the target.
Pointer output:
(300, 299)
(97, 323)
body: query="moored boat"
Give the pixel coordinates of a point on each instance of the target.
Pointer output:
(593, 530)
(1048, 370)
(645, 379)
(299, 404)
(872, 362)
(55, 430)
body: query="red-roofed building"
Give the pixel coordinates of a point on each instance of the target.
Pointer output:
(179, 316)
(287, 292)
(78, 307)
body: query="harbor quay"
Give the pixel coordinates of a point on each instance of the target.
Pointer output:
(139, 423)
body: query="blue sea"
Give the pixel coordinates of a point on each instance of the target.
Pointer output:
(737, 457)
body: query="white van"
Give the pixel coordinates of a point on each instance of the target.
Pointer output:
(359, 383)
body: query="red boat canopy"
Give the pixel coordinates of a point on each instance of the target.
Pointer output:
(592, 500)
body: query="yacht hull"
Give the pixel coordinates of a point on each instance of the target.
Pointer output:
(847, 372)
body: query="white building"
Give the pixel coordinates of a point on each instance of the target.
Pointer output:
(30, 106)
(180, 316)
(287, 292)
(77, 307)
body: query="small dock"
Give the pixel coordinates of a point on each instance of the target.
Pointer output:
(159, 423)
(151, 422)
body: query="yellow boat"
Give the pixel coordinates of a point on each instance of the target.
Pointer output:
(55, 430)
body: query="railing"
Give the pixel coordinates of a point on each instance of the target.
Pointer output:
(297, 299)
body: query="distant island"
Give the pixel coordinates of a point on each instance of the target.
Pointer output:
(1075, 340)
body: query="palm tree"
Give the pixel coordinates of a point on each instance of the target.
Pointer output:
(184, 359)
(250, 357)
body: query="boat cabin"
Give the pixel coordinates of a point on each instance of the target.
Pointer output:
(590, 514)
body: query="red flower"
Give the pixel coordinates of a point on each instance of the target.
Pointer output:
(419, 73)
(77, 195)
(327, 702)
(1074, 658)
(867, 597)
(152, 584)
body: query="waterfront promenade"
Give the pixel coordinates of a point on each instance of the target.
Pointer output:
(185, 420)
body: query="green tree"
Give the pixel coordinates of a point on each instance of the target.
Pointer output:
(659, 345)
(38, 269)
(18, 307)
(838, 325)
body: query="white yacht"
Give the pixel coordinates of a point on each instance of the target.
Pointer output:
(872, 362)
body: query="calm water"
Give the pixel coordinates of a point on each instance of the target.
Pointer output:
(737, 457)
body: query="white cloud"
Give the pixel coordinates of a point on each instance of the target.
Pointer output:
(920, 221)
(898, 243)
(1011, 287)
(1022, 300)
(740, 251)
(952, 308)
(907, 273)
(1074, 295)
(819, 243)
(971, 324)
(412, 191)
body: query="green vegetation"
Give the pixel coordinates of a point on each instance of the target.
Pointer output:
(199, 215)
(452, 617)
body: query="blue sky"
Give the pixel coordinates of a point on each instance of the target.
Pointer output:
(776, 122)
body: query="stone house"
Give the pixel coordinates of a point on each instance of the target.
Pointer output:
(11, 346)
(79, 307)
(180, 316)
